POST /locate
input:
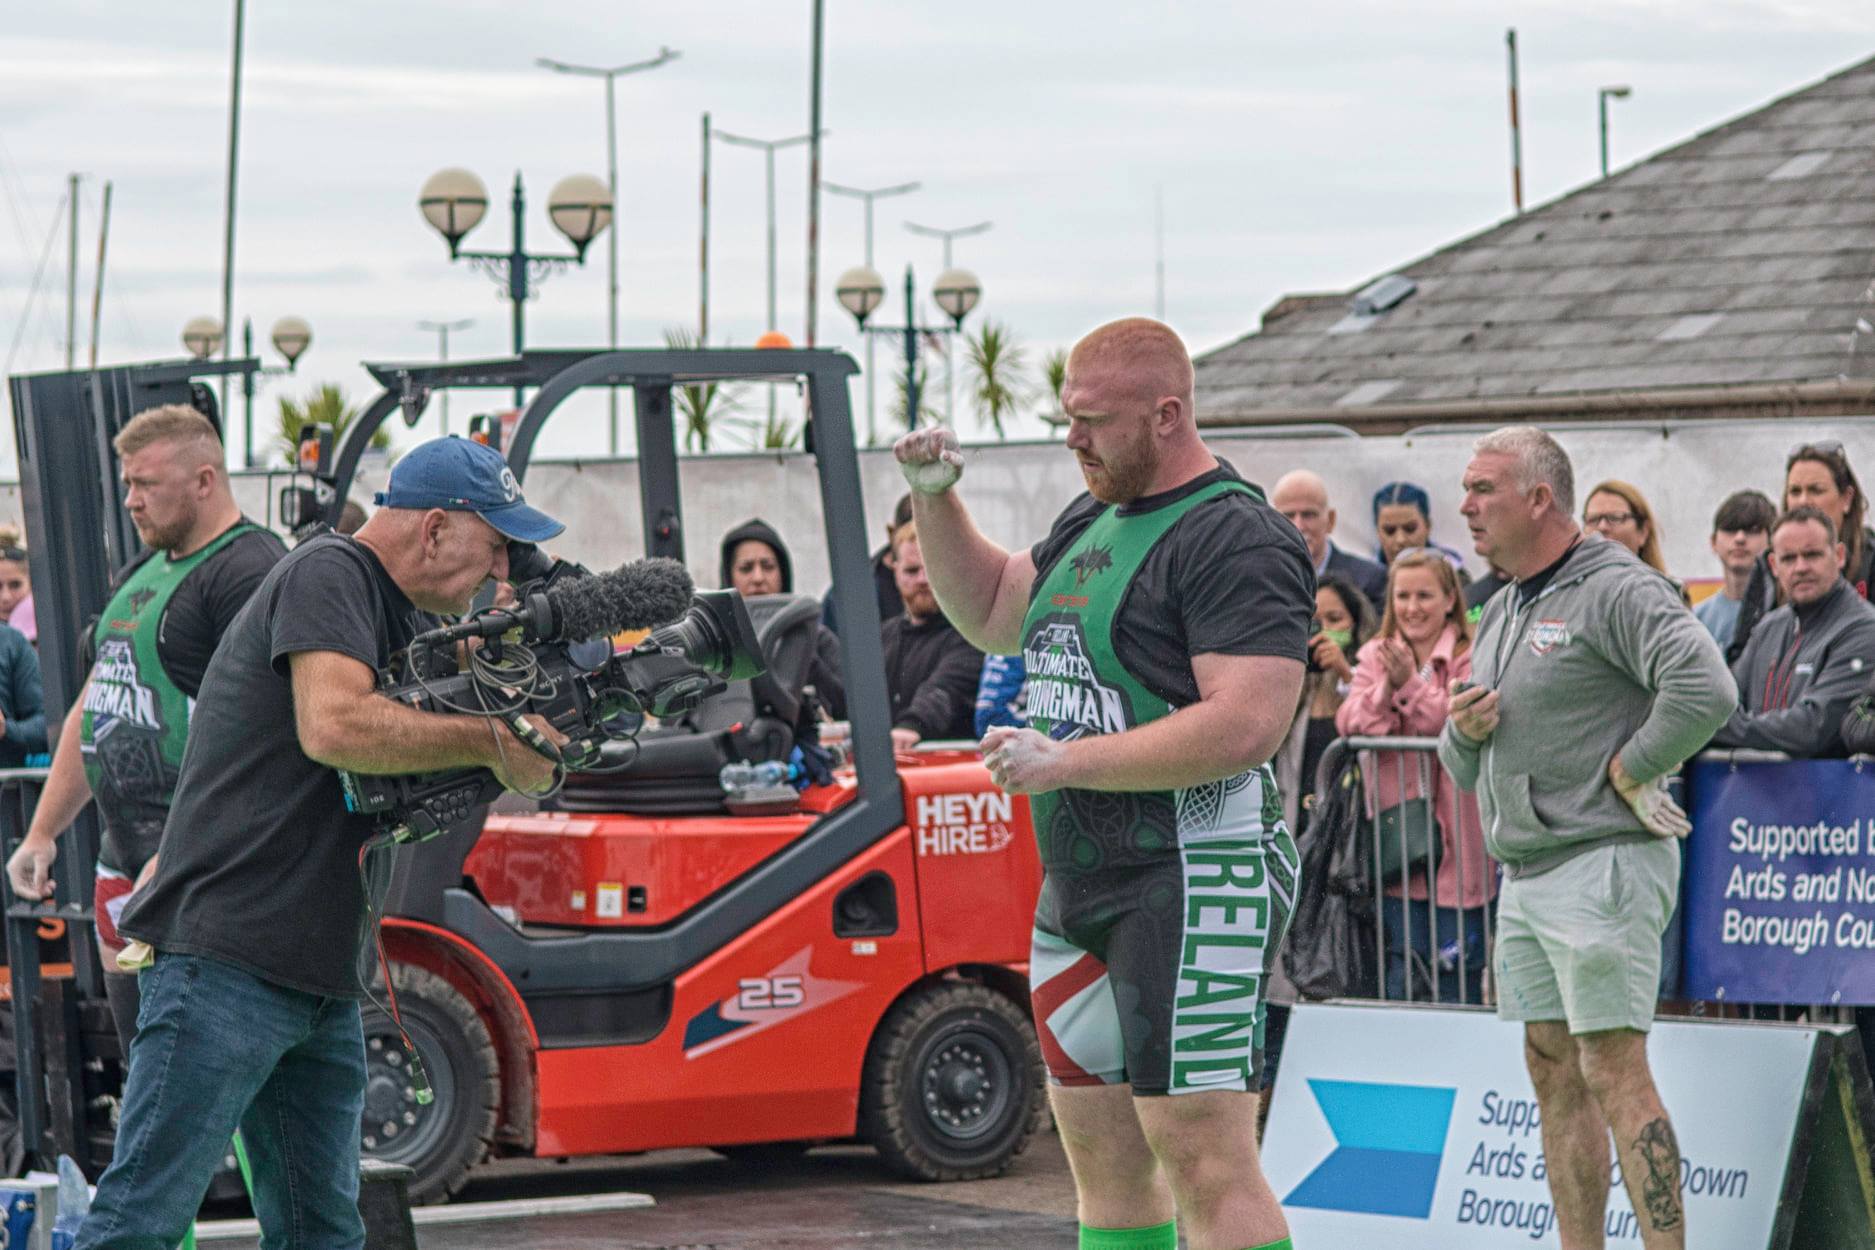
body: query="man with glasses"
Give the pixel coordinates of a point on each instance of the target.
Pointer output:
(1808, 660)
(123, 737)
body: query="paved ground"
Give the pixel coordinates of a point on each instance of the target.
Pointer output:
(840, 1198)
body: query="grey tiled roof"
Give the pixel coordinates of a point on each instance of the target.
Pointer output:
(1574, 296)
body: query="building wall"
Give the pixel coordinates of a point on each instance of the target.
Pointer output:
(1015, 490)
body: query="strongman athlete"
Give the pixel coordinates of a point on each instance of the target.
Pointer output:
(124, 736)
(1164, 623)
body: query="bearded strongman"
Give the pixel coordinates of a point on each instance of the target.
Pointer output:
(1164, 623)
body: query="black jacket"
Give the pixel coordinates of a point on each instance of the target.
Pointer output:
(1761, 593)
(884, 589)
(1799, 675)
(1370, 578)
(931, 673)
(22, 699)
(824, 675)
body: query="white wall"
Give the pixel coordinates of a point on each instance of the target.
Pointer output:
(1015, 490)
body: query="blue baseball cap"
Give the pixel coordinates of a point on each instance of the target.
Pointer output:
(460, 475)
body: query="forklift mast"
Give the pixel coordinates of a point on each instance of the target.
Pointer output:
(80, 534)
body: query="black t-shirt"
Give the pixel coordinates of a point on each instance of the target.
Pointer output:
(203, 606)
(259, 860)
(1532, 586)
(1232, 577)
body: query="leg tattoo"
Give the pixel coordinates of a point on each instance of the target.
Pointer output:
(1660, 1188)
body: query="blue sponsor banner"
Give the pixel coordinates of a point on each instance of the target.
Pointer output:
(1779, 902)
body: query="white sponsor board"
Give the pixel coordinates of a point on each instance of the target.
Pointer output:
(1417, 1129)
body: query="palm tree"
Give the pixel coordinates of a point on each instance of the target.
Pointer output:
(704, 406)
(926, 414)
(326, 405)
(1055, 373)
(780, 434)
(996, 363)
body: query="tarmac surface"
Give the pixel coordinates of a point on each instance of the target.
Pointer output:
(838, 1198)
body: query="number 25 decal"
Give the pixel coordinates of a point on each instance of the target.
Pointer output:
(770, 993)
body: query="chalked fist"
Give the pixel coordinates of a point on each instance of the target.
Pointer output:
(930, 460)
(1022, 761)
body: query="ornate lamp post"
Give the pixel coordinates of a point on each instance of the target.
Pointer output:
(454, 201)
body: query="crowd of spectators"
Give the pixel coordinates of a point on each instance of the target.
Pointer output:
(1791, 610)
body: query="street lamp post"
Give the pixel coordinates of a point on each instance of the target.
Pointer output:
(454, 202)
(291, 336)
(442, 329)
(868, 196)
(959, 232)
(861, 290)
(768, 147)
(610, 74)
(1601, 101)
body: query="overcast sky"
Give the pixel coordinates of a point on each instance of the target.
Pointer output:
(1304, 147)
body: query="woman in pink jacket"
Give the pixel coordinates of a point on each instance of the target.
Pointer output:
(1399, 690)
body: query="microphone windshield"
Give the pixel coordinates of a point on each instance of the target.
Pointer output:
(638, 595)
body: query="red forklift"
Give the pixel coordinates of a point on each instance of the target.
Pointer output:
(630, 965)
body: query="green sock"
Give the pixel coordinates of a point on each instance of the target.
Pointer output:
(1158, 1237)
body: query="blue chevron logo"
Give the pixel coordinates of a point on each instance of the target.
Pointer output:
(1389, 1140)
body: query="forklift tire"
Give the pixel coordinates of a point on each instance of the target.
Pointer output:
(953, 1085)
(441, 1140)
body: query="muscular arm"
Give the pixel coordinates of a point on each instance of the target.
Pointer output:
(983, 589)
(67, 791)
(344, 723)
(1242, 715)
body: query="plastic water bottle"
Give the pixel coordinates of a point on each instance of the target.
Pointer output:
(739, 776)
(74, 1202)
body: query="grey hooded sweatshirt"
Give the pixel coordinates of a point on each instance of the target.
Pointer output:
(1605, 659)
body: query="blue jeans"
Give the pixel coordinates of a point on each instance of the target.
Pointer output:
(1445, 958)
(218, 1048)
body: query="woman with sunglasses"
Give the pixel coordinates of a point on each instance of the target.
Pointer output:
(16, 584)
(1816, 475)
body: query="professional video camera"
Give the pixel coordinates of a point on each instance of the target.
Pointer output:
(549, 655)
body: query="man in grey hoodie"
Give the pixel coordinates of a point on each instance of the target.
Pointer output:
(1592, 684)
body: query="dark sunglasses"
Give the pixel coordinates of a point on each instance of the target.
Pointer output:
(17, 554)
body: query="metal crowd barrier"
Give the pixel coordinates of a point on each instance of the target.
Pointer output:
(61, 1024)
(1418, 758)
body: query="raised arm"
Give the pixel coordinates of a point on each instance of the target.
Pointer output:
(983, 589)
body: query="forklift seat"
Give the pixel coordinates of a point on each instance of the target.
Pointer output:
(676, 769)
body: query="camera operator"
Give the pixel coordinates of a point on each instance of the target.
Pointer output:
(125, 732)
(257, 913)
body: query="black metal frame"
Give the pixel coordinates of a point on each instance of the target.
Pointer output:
(427, 884)
(601, 986)
(81, 535)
